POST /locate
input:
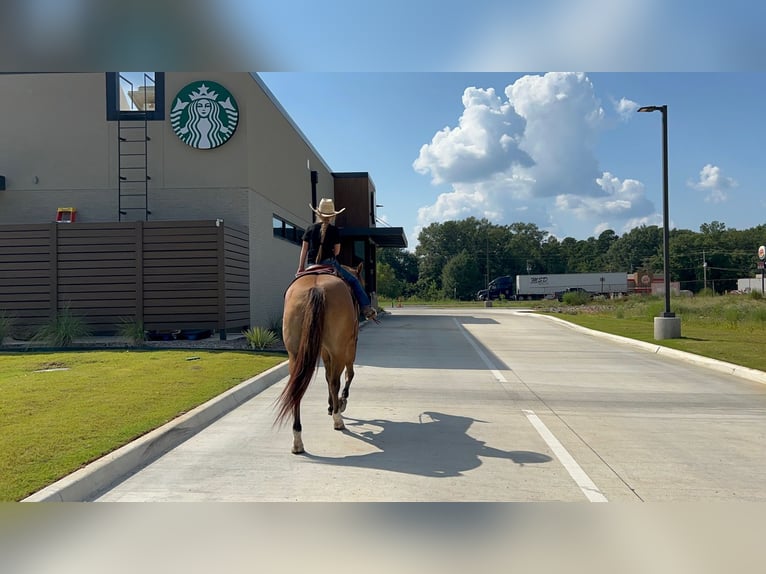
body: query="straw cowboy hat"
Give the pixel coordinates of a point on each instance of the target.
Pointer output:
(326, 208)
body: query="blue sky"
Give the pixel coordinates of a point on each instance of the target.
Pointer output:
(566, 151)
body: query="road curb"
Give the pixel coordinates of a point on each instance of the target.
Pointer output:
(90, 481)
(721, 366)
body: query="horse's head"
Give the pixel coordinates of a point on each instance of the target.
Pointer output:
(358, 272)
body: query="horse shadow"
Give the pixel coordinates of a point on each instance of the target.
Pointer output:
(437, 446)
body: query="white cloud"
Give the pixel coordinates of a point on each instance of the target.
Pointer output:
(534, 149)
(715, 185)
(653, 219)
(625, 108)
(623, 201)
(484, 142)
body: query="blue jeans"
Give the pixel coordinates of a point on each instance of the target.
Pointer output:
(352, 280)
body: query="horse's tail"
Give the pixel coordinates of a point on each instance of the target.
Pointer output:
(307, 357)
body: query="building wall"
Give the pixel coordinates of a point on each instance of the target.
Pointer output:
(355, 192)
(279, 165)
(55, 146)
(58, 150)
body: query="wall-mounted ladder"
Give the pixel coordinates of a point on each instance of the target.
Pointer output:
(133, 147)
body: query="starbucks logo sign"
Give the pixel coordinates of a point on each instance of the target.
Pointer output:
(204, 115)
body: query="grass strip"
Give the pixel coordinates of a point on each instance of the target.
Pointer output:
(59, 411)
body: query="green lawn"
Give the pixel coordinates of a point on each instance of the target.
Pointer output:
(729, 328)
(54, 421)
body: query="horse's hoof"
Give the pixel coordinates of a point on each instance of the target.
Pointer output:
(341, 427)
(297, 450)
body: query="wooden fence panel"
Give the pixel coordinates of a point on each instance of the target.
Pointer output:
(25, 275)
(236, 277)
(169, 275)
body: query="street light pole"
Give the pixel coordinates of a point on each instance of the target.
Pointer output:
(671, 327)
(665, 209)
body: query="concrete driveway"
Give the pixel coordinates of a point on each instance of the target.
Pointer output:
(485, 405)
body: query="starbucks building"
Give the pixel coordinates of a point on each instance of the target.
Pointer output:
(173, 199)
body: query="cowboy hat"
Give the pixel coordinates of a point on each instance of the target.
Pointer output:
(326, 208)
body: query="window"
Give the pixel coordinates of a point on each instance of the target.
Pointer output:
(359, 254)
(133, 95)
(286, 230)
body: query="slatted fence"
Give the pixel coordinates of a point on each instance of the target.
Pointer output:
(167, 274)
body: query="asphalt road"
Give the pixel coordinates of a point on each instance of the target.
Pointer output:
(485, 405)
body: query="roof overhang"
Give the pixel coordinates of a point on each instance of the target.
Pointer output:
(380, 236)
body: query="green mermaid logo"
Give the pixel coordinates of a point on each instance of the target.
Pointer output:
(204, 115)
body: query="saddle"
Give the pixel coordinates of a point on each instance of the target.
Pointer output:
(318, 270)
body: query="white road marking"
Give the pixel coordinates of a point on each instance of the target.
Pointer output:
(497, 374)
(589, 489)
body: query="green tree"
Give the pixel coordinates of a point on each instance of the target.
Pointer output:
(461, 277)
(640, 248)
(440, 242)
(389, 286)
(403, 263)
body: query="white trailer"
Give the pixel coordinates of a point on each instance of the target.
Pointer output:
(749, 284)
(542, 285)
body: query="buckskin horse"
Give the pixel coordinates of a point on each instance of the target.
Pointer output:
(320, 318)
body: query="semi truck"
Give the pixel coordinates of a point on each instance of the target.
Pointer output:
(544, 285)
(498, 287)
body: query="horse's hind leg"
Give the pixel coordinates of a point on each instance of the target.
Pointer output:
(327, 370)
(297, 441)
(332, 374)
(349, 378)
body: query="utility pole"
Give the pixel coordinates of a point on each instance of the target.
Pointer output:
(486, 271)
(704, 271)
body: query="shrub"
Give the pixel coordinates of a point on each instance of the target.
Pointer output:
(576, 298)
(132, 330)
(275, 325)
(260, 337)
(757, 295)
(62, 330)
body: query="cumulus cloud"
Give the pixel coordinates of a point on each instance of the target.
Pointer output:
(622, 200)
(486, 141)
(713, 183)
(535, 148)
(625, 108)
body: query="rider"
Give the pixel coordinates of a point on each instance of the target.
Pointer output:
(321, 245)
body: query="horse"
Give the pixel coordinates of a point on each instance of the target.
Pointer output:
(321, 316)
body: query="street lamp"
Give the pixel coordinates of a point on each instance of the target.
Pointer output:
(674, 326)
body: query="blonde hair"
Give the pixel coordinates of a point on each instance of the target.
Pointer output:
(326, 220)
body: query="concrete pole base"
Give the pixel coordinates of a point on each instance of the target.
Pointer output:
(488, 303)
(667, 328)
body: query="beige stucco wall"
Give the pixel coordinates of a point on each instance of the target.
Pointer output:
(279, 179)
(58, 150)
(55, 145)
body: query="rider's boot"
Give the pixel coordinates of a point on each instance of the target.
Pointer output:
(368, 312)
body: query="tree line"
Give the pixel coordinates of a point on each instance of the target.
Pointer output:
(455, 259)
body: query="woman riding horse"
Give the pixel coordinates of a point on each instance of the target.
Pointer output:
(320, 318)
(321, 245)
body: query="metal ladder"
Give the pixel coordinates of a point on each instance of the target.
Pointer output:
(132, 160)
